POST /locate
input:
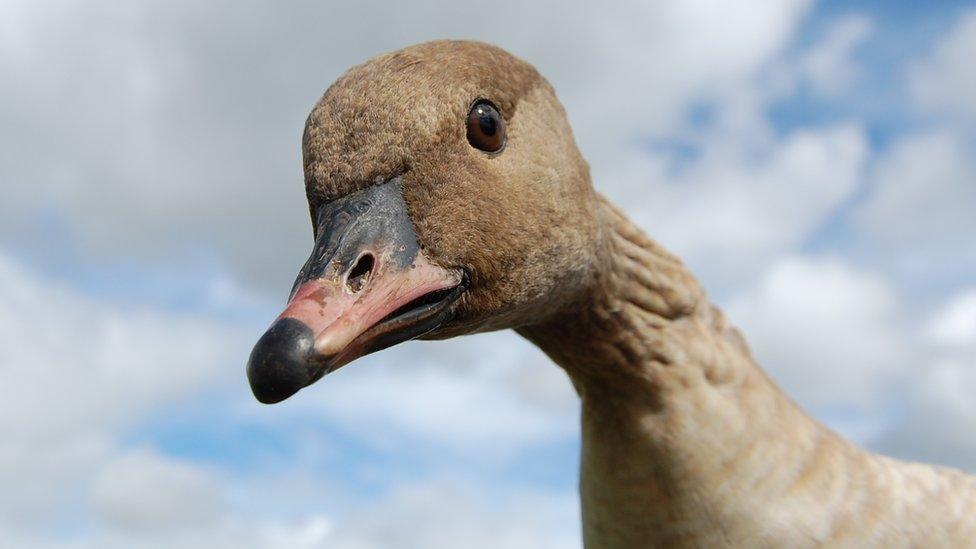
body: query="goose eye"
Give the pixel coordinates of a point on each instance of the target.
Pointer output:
(486, 128)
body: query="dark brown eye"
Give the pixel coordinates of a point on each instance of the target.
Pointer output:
(486, 128)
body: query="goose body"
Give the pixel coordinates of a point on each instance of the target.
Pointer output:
(448, 197)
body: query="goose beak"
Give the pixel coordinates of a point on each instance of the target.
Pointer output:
(366, 286)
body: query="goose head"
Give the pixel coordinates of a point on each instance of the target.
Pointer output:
(447, 197)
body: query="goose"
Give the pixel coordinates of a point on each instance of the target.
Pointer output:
(448, 197)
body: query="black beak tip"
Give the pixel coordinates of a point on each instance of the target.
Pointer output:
(280, 363)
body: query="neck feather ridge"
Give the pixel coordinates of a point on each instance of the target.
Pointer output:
(643, 324)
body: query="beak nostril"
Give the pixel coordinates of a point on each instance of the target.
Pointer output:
(360, 273)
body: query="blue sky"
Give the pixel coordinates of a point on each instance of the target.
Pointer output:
(812, 161)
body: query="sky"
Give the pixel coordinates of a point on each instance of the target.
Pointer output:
(813, 162)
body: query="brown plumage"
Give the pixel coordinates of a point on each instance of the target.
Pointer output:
(686, 442)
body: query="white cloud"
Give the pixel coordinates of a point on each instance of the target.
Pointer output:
(923, 193)
(74, 371)
(955, 325)
(733, 210)
(141, 490)
(917, 218)
(917, 214)
(439, 512)
(463, 520)
(841, 342)
(741, 192)
(648, 62)
(829, 66)
(827, 332)
(945, 82)
(938, 417)
(939, 414)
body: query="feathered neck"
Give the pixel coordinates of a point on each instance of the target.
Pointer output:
(642, 319)
(679, 424)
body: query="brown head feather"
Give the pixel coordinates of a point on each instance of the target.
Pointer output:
(522, 222)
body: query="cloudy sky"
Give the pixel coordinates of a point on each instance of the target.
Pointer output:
(815, 163)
